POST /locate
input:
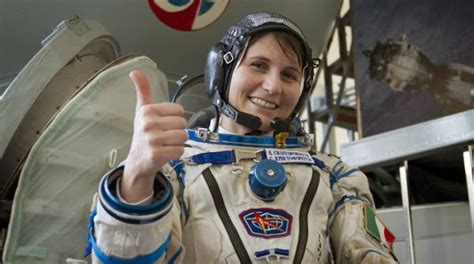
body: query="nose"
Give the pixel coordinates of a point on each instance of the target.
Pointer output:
(272, 84)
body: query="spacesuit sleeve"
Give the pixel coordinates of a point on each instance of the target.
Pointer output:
(356, 234)
(124, 233)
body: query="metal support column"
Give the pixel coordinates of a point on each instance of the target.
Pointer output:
(469, 167)
(343, 67)
(344, 58)
(407, 211)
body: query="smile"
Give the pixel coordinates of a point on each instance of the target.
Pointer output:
(263, 103)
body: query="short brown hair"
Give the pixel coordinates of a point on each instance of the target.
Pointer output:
(289, 44)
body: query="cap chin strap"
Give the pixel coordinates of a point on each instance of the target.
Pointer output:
(247, 120)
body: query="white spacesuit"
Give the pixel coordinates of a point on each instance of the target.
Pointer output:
(215, 216)
(235, 198)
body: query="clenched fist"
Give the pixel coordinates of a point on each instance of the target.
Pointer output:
(158, 137)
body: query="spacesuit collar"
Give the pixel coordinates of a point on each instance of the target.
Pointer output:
(204, 135)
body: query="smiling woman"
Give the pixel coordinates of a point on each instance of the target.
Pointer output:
(230, 197)
(287, 49)
(266, 83)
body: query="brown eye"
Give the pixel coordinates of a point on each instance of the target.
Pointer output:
(290, 76)
(259, 66)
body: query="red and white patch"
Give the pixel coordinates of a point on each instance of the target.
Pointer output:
(188, 15)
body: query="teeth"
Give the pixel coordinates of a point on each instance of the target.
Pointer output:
(263, 103)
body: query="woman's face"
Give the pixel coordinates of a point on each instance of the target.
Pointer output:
(265, 84)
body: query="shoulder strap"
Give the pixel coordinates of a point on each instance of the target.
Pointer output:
(303, 217)
(225, 218)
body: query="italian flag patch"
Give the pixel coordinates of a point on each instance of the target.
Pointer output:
(377, 229)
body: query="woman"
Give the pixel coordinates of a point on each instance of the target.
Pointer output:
(246, 189)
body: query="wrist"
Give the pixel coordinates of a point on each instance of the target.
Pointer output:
(161, 200)
(147, 200)
(135, 187)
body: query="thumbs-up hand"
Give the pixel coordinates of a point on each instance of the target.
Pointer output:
(158, 137)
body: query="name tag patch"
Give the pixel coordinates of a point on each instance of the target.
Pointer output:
(286, 156)
(266, 222)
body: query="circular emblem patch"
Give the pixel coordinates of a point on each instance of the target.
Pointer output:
(188, 15)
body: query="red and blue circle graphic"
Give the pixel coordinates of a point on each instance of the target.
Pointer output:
(188, 15)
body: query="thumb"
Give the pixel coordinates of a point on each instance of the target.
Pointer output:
(142, 87)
